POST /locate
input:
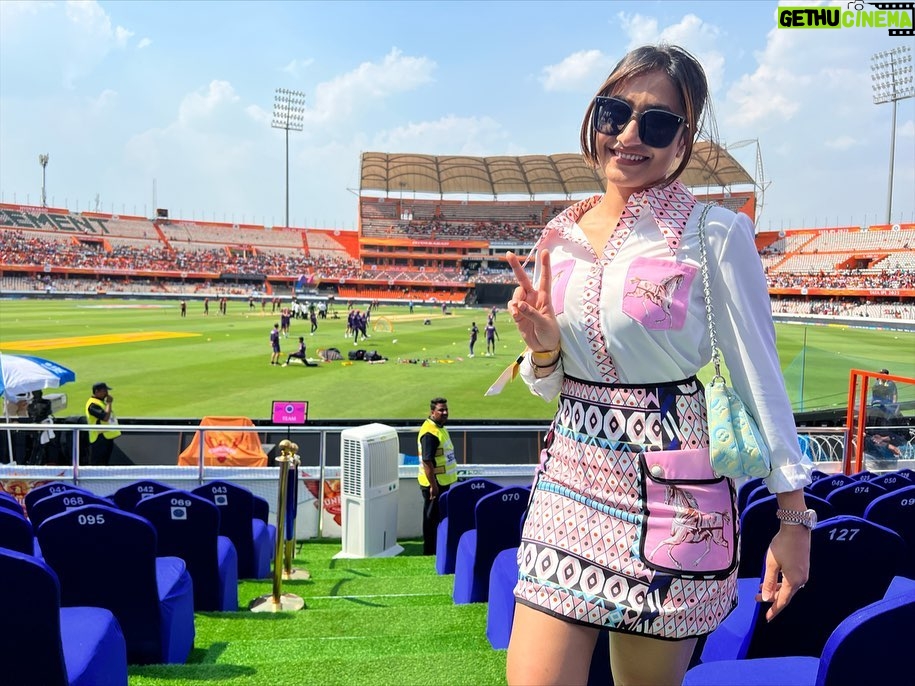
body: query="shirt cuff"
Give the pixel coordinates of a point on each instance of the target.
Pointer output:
(790, 477)
(547, 387)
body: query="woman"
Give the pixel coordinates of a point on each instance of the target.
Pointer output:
(616, 327)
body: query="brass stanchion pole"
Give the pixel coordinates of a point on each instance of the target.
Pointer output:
(278, 601)
(292, 511)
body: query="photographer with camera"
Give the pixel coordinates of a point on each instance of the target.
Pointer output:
(99, 411)
(39, 411)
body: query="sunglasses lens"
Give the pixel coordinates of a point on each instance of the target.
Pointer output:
(657, 128)
(611, 116)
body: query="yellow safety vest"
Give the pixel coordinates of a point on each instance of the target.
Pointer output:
(93, 435)
(445, 463)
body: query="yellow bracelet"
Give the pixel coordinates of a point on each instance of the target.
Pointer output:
(551, 353)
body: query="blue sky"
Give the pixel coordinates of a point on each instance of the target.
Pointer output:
(127, 95)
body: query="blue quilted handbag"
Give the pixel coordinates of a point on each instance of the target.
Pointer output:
(736, 447)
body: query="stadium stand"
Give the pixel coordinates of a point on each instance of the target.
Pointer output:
(427, 248)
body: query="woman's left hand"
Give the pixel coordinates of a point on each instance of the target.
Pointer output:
(788, 554)
(532, 307)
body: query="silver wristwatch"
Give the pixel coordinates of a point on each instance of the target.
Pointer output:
(806, 518)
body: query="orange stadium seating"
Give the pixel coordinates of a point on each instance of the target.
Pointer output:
(406, 249)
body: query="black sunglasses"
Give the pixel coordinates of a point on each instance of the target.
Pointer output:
(657, 128)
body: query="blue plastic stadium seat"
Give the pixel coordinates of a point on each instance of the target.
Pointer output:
(462, 499)
(496, 519)
(8, 502)
(262, 512)
(891, 481)
(842, 548)
(187, 526)
(45, 644)
(896, 511)
(870, 646)
(863, 475)
(853, 499)
(758, 526)
(756, 494)
(56, 503)
(732, 637)
(237, 521)
(822, 487)
(105, 557)
(743, 492)
(16, 532)
(501, 609)
(128, 496)
(45, 490)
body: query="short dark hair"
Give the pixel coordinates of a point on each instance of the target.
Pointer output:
(689, 80)
(437, 401)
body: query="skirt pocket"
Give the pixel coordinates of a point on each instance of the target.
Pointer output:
(689, 520)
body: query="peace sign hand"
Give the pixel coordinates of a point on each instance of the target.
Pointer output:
(532, 309)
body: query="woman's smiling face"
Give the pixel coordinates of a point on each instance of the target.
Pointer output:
(626, 161)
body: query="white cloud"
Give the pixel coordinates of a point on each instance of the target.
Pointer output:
(106, 99)
(586, 69)
(144, 43)
(579, 71)
(76, 37)
(797, 72)
(692, 33)
(906, 129)
(209, 126)
(259, 114)
(449, 135)
(396, 73)
(218, 136)
(844, 142)
(12, 13)
(93, 22)
(296, 67)
(770, 95)
(197, 106)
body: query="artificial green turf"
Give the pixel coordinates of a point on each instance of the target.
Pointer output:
(223, 368)
(367, 621)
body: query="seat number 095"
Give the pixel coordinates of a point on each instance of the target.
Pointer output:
(91, 519)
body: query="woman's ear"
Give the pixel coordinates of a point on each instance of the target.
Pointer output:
(681, 144)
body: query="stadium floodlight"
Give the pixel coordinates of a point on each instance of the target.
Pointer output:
(891, 72)
(289, 115)
(43, 161)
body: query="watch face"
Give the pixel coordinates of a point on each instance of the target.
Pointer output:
(813, 518)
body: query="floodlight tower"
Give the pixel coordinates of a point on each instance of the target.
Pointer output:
(891, 72)
(288, 114)
(43, 161)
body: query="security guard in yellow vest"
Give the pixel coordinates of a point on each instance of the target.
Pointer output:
(437, 467)
(98, 411)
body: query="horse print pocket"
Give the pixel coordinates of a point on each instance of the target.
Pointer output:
(656, 292)
(689, 521)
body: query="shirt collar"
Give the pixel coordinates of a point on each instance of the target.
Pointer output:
(669, 206)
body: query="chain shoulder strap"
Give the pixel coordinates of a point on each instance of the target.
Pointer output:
(707, 293)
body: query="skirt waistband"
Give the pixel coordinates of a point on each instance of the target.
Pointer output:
(666, 416)
(643, 396)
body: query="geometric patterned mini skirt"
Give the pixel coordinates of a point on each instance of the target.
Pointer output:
(628, 528)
